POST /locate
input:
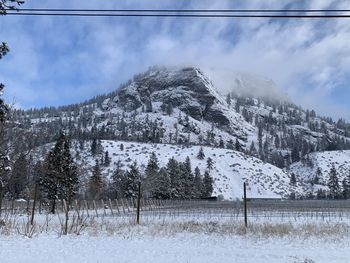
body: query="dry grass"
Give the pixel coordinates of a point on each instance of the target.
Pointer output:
(127, 228)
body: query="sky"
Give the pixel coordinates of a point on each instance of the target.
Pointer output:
(62, 60)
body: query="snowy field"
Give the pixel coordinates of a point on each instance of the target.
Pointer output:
(277, 232)
(182, 247)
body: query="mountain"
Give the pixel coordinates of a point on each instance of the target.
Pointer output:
(182, 106)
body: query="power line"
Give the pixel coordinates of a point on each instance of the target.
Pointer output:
(205, 13)
(183, 10)
(173, 15)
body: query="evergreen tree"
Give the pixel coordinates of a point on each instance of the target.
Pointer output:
(96, 183)
(221, 143)
(19, 177)
(161, 187)
(188, 179)
(152, 165)
(173, 170)
(293, 180)
(118, 181)
(333, 183)
(107, 159)
(4, 159)
(61, 174)
(346, 188)
(230, 145)
(207, 185)
(318, 176)
(200, 154)
(295, 154)
(132, 178)
(210, 164)
(94, 147)
(151, 171)
(198, 183)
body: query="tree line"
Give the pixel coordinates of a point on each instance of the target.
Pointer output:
(57, 177)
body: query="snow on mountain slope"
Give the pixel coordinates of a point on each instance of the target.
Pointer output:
(230, 169)
(306, 170)
(188, 90)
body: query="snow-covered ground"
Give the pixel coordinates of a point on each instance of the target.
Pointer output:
(173, 235)
(230, 169)
(183, 247)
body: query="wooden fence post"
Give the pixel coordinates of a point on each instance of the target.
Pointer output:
(65, 207)
(87, 208)
(117, 205)
(245, 204)
(103, 205)
(94, 203)
(138, 203)
(77, 208)
(110, 206)
(34, 202)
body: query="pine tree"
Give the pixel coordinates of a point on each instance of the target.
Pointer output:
(152, 165)
(151, 171)
(173, 170)
(333, 183)
(346, 188)
(132, 177)
(293, 180)
(207, 185)
(198, 183)
(107, 159)
(19, 177)
(210, 164)
(96, 183)
(94, 147)
(188, 179)
(161, 187)
(200, 154)
(318, 176)
(61, 174)
(118, 181)
(4, 109)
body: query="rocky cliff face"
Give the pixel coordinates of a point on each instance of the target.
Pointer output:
(187, 89)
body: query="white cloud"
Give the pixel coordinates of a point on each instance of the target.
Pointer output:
(308, 57)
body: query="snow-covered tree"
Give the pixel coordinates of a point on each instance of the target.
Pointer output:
(210, 164)
(96, 184)
(197, 183)
(207, 185)
(107, 159)
(132, 177)
(333, 183)
(61, 174)
(19, 178)
(201, 154)
(161, 186)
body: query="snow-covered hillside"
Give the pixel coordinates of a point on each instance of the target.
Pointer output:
(318, 164)
(230, 169)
